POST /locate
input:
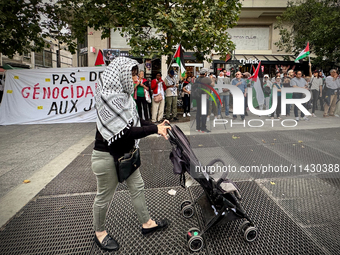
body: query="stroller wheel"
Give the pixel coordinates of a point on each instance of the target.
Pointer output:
(185, 202)
(250, 234)
(188, 211)
(195, 243)
(193, 230)
(244, 226)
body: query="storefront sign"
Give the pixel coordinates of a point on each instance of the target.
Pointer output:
(250, 38)
(249, 61)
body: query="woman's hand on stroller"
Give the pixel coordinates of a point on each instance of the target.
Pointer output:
(163, 127)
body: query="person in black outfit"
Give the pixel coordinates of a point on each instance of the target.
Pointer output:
(186, 96)
(201, 119)
(119, 129)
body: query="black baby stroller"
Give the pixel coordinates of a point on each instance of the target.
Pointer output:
(220, 200)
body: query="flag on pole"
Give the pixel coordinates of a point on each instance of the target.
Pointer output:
(303, 54)
(258, 96)
(99, 59)
(227, 57)
(180, 60)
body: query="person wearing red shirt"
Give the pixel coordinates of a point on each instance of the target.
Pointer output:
(158, 87)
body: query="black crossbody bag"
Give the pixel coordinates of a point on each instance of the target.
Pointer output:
(128, 164)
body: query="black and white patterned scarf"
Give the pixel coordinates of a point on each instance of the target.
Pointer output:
(116, 109)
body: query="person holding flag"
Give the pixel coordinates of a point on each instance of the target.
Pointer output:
(303, 54)
(180, 60)
(258, 96)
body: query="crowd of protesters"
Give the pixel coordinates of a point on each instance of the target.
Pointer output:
(165, 93)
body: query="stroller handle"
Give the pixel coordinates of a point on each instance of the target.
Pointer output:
(169, 131)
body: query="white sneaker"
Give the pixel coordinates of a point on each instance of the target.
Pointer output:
(184, 115)
(336, 115)
(313, 115)
(211, 114)
(219, 116)
(305, 118)
(208, 118)
(188, 114)
(297, 118)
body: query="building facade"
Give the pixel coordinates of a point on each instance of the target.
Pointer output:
(254, 37)
(48, 58)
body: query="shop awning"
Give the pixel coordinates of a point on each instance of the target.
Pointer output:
(9, 66)
(274, 59)
(268, 57)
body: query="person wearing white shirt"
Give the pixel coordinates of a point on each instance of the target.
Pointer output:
(332, 85)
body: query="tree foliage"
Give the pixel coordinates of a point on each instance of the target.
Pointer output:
(19, 26)
(155, 27)
(313, 21)
(24, 25)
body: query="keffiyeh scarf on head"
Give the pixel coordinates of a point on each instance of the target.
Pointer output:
(115, 106)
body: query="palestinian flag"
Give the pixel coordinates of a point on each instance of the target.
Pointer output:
(227, 57)
(303, 54)
(99, 59)
(258, 96)
(180, 60)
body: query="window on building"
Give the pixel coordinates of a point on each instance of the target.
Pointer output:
(43, 58)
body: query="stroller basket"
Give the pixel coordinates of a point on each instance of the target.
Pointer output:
(220, 201)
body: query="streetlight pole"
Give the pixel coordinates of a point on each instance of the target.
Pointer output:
(55, 33)
(58, 55)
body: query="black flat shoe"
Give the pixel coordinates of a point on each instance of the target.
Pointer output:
(160, 225)
(108, 243)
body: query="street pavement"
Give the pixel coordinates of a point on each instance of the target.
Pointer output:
(41, 153)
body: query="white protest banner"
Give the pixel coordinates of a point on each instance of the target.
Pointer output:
(46, 96)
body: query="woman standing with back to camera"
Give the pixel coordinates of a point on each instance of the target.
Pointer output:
(119, 129)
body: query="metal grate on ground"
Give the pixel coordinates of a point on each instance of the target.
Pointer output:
(328, 235)
(270, 138)
(77, 177)
(298, 188)
(127, 229)
(302, 154)
(58, 225)
(312, 203)
(261, 162)
(63, 224)
(331, 178)
(278, 234)
(233, 140)
(327, 133)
